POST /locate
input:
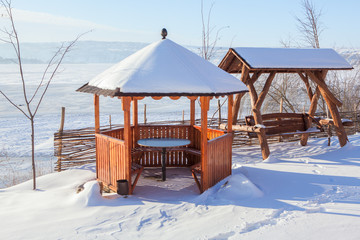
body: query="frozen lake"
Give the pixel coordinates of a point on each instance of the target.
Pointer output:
(15, 128)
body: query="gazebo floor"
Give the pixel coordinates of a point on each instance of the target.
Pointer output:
(179, 185)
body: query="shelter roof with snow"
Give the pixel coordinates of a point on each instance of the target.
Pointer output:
(164, 68)
(283, 59)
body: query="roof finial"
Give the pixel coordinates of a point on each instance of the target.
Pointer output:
(164, 33)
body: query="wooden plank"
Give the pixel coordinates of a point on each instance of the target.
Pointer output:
(288, 122)
(219, 158)
(281, 115)
(97, 113)
(285, 129)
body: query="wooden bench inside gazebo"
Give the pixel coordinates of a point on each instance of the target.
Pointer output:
(309, 64)
(163, 69)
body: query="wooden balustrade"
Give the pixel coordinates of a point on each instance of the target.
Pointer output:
(173, 158)
(116, 133)
(219, 158)
(111, 152)
(110, 159)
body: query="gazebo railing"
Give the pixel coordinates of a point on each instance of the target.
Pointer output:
(219, 153)
(111, 159)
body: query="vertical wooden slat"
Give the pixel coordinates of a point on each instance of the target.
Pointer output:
(230, 106)
(135, 122)
(97, 113)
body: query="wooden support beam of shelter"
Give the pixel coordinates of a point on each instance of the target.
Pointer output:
(307, 63)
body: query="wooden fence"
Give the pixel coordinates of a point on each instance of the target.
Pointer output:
(77, 146)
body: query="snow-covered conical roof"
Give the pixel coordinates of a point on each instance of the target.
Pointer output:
(164, 68)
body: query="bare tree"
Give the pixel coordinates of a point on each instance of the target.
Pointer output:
(209, 42)
(32, 100)
(310, 25)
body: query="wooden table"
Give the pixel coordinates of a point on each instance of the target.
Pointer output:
(163, 143)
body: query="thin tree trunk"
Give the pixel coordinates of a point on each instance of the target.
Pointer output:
(33, 152)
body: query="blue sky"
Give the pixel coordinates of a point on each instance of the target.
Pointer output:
(253, 23)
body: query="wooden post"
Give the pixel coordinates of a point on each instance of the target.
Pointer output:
(339, 128)
(192, 111)
(61, 130)
(312, 110)
(126, 102)
(219, 106)
(110, 120)
(281, 105)
(97, 113)
(135, 122)
(204, 101)
(183, 117)
(230, 105)
(256, 102)
(144, 113)
(332, 102)
(265, 151)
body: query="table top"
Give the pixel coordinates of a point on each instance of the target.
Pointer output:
(163, 142)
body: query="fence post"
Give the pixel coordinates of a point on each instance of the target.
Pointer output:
(144, 113)
(61, 130)
(219, 106)
(356, 118)
(110, 120)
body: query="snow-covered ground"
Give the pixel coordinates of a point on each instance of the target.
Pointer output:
(310, 192)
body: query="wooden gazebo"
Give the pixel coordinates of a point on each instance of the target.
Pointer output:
(163, 69)
(310, 64)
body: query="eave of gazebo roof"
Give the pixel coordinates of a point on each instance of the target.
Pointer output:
(117, 93)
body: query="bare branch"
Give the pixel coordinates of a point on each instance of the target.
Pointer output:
(12, 103)
(46, 70)
(309, 25)
(67, 49)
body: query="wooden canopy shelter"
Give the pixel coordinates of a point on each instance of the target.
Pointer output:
(163, 69)
(309, 64)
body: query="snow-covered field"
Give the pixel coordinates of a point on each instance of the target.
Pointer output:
(15, 128)
(310, 192)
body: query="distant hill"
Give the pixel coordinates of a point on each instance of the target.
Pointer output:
(111, 52)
